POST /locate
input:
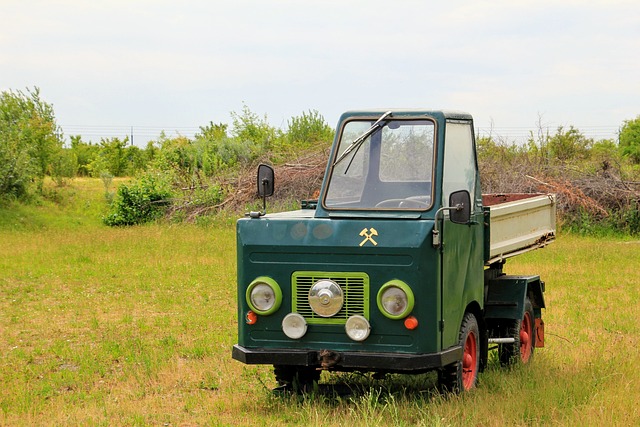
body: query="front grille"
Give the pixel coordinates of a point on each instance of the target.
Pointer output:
(355, 287)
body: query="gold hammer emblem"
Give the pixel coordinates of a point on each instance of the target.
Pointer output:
(367, 234)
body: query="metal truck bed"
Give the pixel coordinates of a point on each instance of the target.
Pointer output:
(518, 223)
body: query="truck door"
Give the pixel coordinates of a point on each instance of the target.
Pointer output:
(461, 257)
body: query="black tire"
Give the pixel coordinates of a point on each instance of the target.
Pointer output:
(463, 375)
(521, 351)
(299, 379)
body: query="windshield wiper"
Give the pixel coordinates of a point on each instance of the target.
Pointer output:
(355, 145)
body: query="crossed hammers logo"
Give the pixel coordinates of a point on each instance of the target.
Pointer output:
(367, 234)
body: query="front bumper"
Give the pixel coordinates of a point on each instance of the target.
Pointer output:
(348, 360)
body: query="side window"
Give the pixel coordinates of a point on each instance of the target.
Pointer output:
(459, 160)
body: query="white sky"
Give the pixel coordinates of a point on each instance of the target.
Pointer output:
(107, 66)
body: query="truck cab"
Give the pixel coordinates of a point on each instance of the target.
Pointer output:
(390, 269)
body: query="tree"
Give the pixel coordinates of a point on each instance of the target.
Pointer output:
(113, 151)
(569, 145)
(85, 154)
(29, 139)
(630, 139)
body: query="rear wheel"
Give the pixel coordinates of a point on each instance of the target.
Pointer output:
(523, 332)
(463, 375)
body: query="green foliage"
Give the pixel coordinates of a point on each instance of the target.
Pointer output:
(595, 184)
(29, 138)
(568, 145)
(249, 127)
(142, 201)
(309, 128)
(85, 154)
(64, 166)
(114, 153)
(630, 139)
(595, 180)
(213, 132)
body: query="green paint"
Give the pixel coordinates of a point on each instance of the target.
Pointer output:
(386, 188)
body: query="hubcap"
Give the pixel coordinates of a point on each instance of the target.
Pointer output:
(525, 338)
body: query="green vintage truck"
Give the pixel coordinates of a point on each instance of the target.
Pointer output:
(397, 267)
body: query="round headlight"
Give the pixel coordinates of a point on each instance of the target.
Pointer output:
(395, 299)
(294, 326)
(326, 298)
(264, 296)
(357, 328)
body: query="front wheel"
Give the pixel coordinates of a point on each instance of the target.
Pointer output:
(298, 379)
(463, 375)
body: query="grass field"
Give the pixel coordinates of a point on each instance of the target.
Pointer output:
(134, 326)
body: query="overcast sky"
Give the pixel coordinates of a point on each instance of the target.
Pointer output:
(107, 66)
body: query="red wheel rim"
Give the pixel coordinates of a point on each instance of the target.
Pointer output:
(526, 331)
(469, 361)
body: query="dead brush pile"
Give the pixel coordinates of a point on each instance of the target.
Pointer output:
(298, 179)
(589, 194)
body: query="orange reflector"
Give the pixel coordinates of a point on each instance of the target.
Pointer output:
(411, 323)
(251, 317)
(539, 332)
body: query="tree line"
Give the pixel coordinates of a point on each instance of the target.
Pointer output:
(597, 179)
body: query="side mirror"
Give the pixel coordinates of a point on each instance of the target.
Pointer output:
(460, 207)
(265, 188)
(265, 181)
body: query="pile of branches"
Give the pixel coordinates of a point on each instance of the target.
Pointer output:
(299, 179)
(600, 192)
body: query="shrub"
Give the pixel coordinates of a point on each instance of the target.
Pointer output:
(142, 201)
(630, 139)
(248, 126)
(309, 128)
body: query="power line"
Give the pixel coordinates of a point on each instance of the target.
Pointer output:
(144, 134)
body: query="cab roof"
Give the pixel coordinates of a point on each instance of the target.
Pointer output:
(438, 114)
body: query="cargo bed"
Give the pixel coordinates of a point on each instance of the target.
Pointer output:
(518, 223)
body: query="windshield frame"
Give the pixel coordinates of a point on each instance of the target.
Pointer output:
(426, 200)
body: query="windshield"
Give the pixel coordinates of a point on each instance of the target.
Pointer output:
(391, 169)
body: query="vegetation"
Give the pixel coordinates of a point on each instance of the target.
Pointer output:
(134, 326)
(597, 182)
(630, 139)
(30, 142)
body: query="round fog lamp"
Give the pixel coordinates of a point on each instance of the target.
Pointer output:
(357, 328)
(325, 298)
(294, 326)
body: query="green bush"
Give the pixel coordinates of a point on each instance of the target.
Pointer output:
(309, 128)
(249, 127)
(630, 139)
(29, 138)
(142, 201)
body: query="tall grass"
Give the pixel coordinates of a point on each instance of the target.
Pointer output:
(134, 326)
